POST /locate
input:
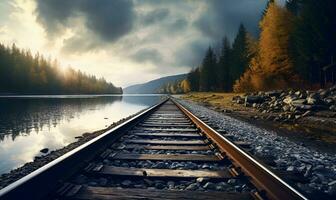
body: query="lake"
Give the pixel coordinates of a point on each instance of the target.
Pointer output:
(31, 123)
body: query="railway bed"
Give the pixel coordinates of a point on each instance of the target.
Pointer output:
(164, 152)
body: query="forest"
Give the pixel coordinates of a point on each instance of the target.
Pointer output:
(295, 48)
(23, 73)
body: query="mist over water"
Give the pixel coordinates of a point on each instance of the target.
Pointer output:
(31, 123)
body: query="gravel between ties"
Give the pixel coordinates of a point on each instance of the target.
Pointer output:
(319, 169)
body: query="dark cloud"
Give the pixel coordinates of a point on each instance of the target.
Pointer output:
(147, 55)
(179, 24)
(149, 22)
(109, 20)
(155, 16)
(224, 16)
(191, 54)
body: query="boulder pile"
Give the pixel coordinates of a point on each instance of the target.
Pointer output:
(291, 104)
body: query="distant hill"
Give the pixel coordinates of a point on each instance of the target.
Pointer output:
(154, 86)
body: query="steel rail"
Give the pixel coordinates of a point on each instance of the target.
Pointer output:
(40, 182)
(265, 180)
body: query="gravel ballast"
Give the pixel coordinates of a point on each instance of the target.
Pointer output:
(318, 170)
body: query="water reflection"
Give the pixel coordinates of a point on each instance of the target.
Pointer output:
(21, 116)
(28, 124)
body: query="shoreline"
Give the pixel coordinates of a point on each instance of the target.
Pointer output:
(39, 161)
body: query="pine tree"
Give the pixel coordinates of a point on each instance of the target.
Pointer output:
(239, 54)
(314, 38)
(207, 72)
(223, 67)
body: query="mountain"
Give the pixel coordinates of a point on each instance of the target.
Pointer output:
(154, 86)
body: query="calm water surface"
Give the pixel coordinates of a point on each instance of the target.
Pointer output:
(31, 123)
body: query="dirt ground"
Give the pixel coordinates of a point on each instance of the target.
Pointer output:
(317, 131)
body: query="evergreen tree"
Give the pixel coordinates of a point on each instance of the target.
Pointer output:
(314, 38)
(223, 67)
(193, 79)
(239, 54)
(22, 73)
(207, 72)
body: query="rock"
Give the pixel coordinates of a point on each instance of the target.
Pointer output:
(232, 181)
(202, 180)
(332, 183)
(273, 93)
(307, 113)
(193, 186)
(171, 184)
(148, 182)
(209, 186)
(126, 183)
(159, 185)
(290, 168)
(289, 99)
(311, 101)
(298, 102)
(159, 165)
(80, 179)
(92, 183)
(286, 108)
(254, 99)
(102, 181)
(45, 150)
(332, 108)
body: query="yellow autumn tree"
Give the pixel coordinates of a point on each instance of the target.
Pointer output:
(271, 66)
(275, 61)
(185, 85)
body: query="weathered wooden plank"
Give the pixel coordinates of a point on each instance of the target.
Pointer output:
(185, 122)
(159, 173)
(168, 129)
(175, 125)
(167, 142)
(173, 157)
(107, 193)
(170, 118)
(169, 147)
(189, 135)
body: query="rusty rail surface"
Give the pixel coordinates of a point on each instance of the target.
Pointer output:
(265, 180)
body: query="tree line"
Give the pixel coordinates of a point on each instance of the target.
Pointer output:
(295, 49)
(23, 73)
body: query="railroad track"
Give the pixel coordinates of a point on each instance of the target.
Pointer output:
(164, 152)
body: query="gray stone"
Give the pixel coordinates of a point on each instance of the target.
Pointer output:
(209, 186)
(298, 102)
(159, 165)
(171, 184)
(92, 183)
(102, 181)
(232, 181)
(148, 182)
(202, 180)
(45, 150)
(254, 99)
(81, 179)
(311, 101)
(159, 185)
(126, 183)
(290, 168)
(193, 186)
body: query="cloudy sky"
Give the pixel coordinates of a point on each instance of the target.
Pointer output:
(125, 41)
